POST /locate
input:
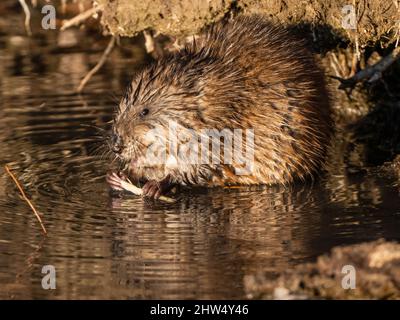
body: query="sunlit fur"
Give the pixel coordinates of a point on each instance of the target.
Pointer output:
(243, 74)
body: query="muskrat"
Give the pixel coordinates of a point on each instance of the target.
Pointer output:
(241, 74)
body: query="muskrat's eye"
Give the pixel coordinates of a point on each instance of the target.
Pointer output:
(144, 112)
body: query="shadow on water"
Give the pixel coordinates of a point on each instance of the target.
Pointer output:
(111, 247)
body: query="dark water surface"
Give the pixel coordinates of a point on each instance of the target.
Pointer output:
(105, 247)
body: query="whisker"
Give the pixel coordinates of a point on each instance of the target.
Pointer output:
(92, 126)
(113, 96)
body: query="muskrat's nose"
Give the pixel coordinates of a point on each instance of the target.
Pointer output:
(116, 143)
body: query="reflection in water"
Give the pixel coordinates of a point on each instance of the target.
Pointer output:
(123, 247)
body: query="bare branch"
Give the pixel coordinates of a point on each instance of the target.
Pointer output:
(371, 73)
(80, 17)
(99, 64)
(27, 17)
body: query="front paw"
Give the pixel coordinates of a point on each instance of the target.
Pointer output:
(154, 189)
(115, 180)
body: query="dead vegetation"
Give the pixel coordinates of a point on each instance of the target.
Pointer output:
(375, 266)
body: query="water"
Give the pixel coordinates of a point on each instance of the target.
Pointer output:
(110, 247)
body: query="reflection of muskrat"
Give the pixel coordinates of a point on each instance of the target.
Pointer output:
(243, 74)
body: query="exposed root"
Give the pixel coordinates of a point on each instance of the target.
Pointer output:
(396, 4)
(149, 42)
(27, 17)
(372, 73)
(81, 17)
(152, 46)
(25, 197)
(99, 64)
(63, 6)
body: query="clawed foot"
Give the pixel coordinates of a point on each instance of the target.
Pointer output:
(154, 189)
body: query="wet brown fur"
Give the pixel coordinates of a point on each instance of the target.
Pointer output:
(245, 73)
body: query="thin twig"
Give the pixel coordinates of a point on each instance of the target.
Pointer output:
(81, 17)
(358, 55)
(99, 64)
(371, 73)
(63, 6)
(25, 197)
(27, 17)
(396, 3)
